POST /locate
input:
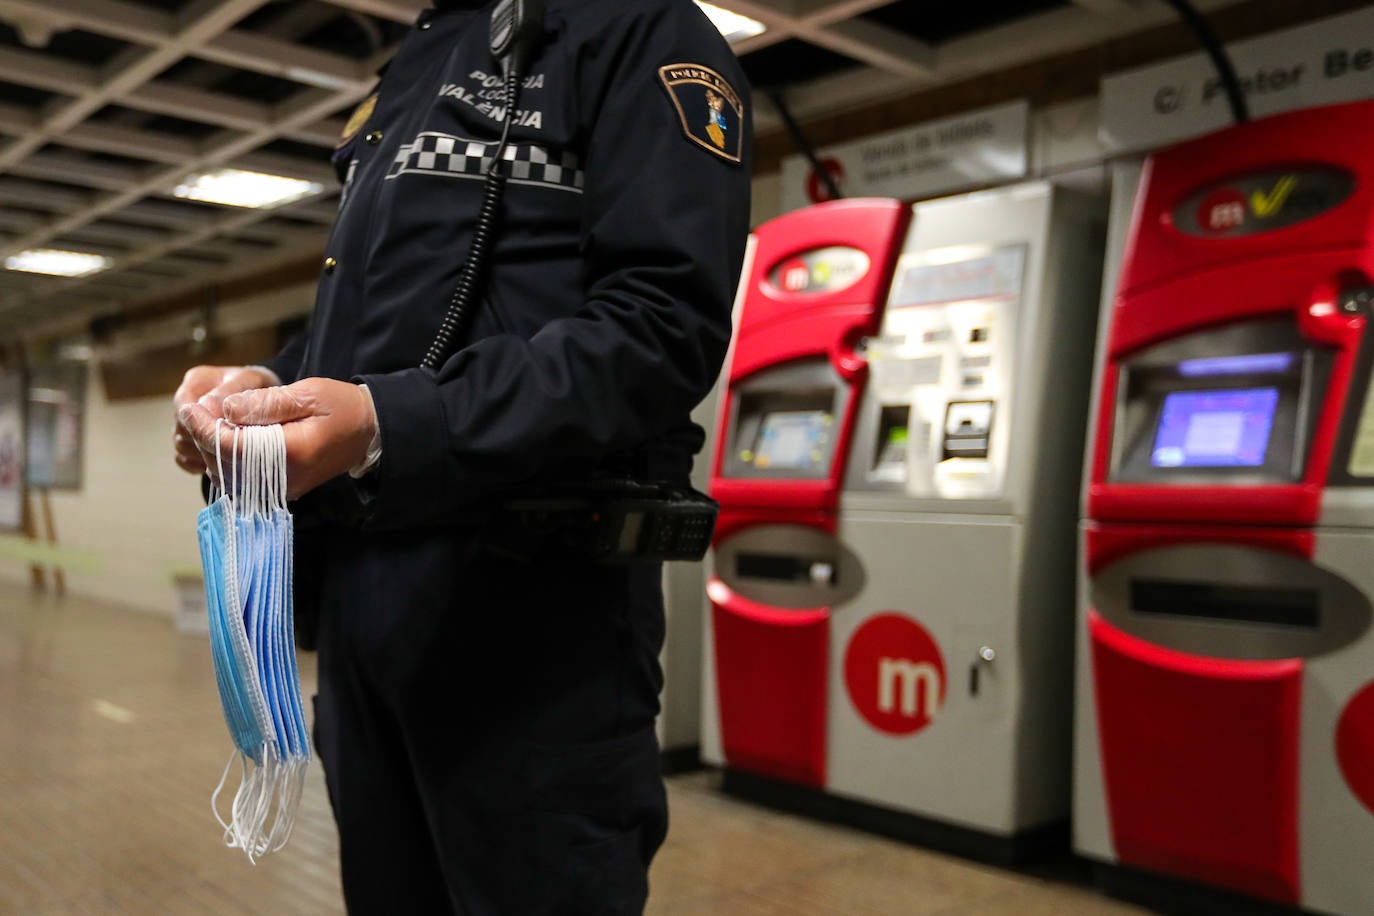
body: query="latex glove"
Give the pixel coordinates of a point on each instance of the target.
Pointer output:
(208, 386)
(328, 427)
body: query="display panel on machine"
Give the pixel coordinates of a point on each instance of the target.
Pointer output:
(1216, 428)
(1225, 406)
(792, 439)
(783, 424)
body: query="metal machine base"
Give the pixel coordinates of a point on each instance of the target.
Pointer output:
(1180, 898)
(675, 761)
(1031, 845)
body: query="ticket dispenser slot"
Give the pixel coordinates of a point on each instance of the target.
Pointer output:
(1244, 604)
(968, 429)
(1224, 601)
(789, 566)
(890, 450)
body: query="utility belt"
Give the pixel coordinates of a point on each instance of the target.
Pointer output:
(606, 521)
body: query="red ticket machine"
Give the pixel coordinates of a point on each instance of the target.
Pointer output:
(816, 288)
(1225, 708)
(903, 419)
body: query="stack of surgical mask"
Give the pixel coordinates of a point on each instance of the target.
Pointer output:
(246, 551)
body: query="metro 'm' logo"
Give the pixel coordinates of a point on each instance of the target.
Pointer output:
(797, 279)
(918, 683)
(894, 674)
(1222, 210)
(1229, 208)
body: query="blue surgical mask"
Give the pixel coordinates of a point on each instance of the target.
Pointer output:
(245, 708)
(246, 551)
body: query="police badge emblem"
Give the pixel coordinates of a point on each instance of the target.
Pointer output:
(716, 127)
(710, 109)
(358, 119)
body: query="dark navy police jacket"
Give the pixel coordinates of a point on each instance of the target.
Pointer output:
(606, 313)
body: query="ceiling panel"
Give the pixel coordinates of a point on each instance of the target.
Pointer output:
(25, 96)
(792, 62)
(106, 105)
(936, 22)
(72, 45)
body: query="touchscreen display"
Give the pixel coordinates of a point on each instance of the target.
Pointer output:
(1223, 428)
(791, 439)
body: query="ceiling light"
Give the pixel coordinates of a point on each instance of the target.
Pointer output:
(76, 352)
(315, 78)
(237, 188)
(57, 263)
(733, 26)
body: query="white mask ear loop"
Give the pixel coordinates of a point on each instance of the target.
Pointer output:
(282, 481)
(214, 799)
(219, 460)
(245, 457)
(235, 471)
(264, 470)
(259, 467)
(250, 475)
(253, 447)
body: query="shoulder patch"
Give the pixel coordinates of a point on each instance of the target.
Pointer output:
(711, 110)
(357, 120)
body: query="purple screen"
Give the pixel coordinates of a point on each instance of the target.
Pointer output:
(1228, 428)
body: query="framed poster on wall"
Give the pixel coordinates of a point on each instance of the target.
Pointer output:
(55, 425)
(13, 397)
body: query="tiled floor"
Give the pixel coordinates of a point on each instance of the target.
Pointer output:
(110, 744)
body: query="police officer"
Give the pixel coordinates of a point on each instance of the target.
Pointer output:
(486, 720)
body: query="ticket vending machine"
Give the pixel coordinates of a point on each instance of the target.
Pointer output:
(813, 291)
(898, 493)
(1225, 690)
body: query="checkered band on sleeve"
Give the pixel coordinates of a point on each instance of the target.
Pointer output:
(455, 157)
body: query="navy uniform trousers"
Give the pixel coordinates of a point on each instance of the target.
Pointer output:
(487, 728)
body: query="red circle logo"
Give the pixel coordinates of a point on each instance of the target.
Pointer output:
(794, 275)
(1222, 211)
(1355, 745)
(816, 191)
(895, 674)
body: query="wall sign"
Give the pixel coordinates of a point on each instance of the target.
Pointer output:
(12, 403)
(1321, 63)
(55, 425)
(970, 150)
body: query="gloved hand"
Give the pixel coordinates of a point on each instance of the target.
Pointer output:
(328, 426)
(208, 386)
